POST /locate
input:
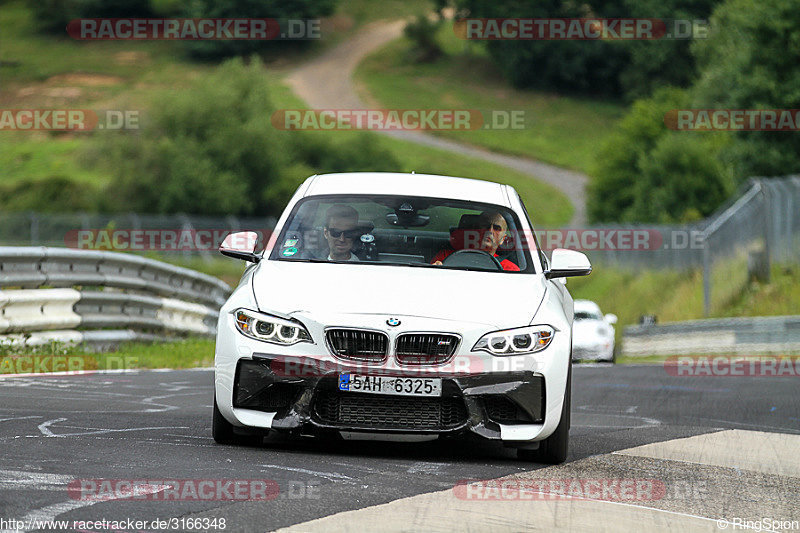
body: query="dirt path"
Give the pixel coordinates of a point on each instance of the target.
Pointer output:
(327, 83)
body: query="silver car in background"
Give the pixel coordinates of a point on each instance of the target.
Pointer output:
(592, 333)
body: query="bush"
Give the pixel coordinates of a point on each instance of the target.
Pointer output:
(53, 15)
(51, 195)
(275, 9)
(621, 68)
(565, 66)
(750, 62)
(211, 149)
(682, 180)
(422, 33)
(646, 173)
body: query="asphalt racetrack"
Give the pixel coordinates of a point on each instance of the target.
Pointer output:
(718, 450)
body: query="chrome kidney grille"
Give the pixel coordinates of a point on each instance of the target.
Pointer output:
(358, 344)
(425, 348)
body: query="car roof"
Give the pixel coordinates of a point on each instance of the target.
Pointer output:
(397, 183)
(586, 305)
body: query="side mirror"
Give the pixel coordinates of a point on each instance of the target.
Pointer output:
(566, 263)
(241, 245)
(611, 318)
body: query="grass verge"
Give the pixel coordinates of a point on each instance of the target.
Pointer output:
(58, 357)
(676, 296)
(559, 130)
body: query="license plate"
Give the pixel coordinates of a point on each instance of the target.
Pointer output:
(391, 385)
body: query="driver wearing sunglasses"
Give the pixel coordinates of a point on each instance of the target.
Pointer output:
(492, 230)
(341, 231)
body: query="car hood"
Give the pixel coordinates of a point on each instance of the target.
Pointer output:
(496, 299)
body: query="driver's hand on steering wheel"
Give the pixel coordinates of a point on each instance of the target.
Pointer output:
(437, 263)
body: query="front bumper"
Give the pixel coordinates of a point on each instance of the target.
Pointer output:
(491, 405)
(593, 352)
(475, 375)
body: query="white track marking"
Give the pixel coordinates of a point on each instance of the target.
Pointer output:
(330, 476)
(44, 428)
(616, 413)
(165, 407)
(19, 418)
(441, 511)
(768, 453)
(19, 479)
(42, 481)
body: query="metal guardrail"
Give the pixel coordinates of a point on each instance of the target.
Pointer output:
(736, 336)
(89, 291)
(759, 226)
(35, 266)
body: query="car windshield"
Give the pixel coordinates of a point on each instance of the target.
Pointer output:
(404, 230)
(588, 315)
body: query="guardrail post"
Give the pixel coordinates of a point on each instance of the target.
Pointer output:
(34, 229)
(706, 276)
(767, 233)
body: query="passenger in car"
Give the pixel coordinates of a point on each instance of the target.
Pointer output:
(489, 231)
(341, 230)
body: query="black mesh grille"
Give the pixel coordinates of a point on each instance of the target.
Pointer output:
(358, 344)
(389, 412)
(272, 397)
(501, 409)
(425, 348)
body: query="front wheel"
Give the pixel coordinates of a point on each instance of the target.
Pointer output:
(553, 450)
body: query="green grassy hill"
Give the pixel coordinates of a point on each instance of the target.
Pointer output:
(48, 72)
(559, 130)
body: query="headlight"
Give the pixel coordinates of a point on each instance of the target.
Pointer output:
(517, 341)
(270, 328)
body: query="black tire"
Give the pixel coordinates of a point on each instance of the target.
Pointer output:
(223, 433)
(553, 450)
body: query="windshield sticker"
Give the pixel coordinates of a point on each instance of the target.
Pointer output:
(289, 252)
(367, 238)
(290, 242)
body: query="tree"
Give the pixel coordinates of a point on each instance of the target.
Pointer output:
(210, 148)
(751, 61)
(52, 16)
(610, 68)
(274, 9)
(647, 173)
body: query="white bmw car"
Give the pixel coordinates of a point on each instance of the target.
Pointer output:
(593, 333)
(401, 307)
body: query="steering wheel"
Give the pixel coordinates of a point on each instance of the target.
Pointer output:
(472, 259)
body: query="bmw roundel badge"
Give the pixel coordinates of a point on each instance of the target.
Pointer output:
(393, 322)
